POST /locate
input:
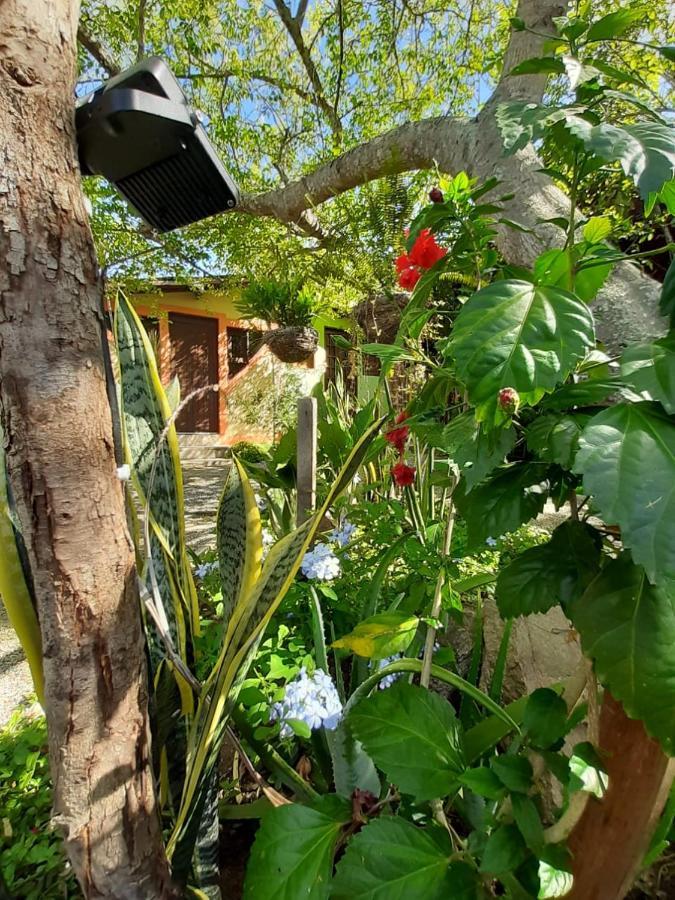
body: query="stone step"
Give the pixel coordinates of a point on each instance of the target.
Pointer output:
(201, 461)
(192, 454)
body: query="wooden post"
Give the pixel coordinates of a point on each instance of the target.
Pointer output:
(306, 458)
(612, 837)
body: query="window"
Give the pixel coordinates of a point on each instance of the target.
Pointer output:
(242, 344)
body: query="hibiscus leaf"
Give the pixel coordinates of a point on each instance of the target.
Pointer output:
(667, 299)
(391, 859)
(555, 438)
(519, 335)
(475, 452)
(413, 735)
(292, 855)
(551, 573)
(627, 459)
(650, 369)
(512, 496)
(380, 636)
(627, 627)
(613, 25)
(645, 150)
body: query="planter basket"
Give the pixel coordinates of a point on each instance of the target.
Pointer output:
(293, 344)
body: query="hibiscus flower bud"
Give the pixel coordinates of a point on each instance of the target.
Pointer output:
(402, 474)
(436, 195)
(509, 400)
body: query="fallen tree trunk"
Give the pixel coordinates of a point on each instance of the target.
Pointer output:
(60, 455)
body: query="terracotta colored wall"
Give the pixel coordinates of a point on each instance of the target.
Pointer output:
(222, 306)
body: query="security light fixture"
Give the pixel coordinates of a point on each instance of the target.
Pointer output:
(140, 134)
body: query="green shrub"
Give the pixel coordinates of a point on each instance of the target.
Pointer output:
(32, 861)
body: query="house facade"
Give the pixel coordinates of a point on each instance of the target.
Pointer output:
(201, 339)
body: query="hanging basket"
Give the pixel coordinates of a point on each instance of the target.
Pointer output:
(293, 344)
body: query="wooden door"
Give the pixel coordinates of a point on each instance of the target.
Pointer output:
(194, 359)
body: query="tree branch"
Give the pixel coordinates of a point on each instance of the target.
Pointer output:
(140, 47)
(538, 15)
(416, 145)
(293, 27)
(95, 50)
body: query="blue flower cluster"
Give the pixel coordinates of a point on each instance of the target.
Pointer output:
(320, 563)
(310, 699)
(388, 680)
(343, 535)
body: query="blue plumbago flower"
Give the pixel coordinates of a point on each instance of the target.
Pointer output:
(320, 563)
(491, 542)
(313, 700)
(205, 568)
(378, 664)
(267, 541)
(342, 535)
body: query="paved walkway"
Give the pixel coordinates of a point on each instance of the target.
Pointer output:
(202, 493)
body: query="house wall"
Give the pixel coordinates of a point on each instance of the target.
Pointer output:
(253, 404)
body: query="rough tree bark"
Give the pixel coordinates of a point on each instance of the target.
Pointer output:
(61, 462)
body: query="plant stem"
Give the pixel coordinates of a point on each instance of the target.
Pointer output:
(273, 760)
(438, 593)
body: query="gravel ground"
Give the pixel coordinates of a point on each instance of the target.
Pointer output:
(202, 492)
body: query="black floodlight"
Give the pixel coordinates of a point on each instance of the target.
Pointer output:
(139, 132)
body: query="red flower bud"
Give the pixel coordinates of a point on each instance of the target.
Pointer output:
(436, 195)
(509, 400)
(402, 474)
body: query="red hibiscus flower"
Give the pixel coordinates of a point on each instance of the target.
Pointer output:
(424, 254)
(398, 436)
(402, 474)
(425, 251)
(409, 277)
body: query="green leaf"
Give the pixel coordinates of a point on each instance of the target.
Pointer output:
(238, 539)
(484, 782)
(352, 767)
(597, 229)
(627, 627)
(391, 859)
(627, 458)
(578, 72)
(412, 735)
(551, 573)
(539, 66)
(668, 50)
(292, 855)
(388, 352)
(587, 772)
(614, 24)
(553, 882)
(589, 392)
(555, 438)
(475, 452)
(381, 635)
(645, 151)
(520, 123)
(504, 851)
(667, 298)
(528, 821)
(516, 334)
(545, 717)
(505, 501)
(514, 772)
(650, 369)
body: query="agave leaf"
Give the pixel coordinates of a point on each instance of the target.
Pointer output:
(239, 539)
(16, 583)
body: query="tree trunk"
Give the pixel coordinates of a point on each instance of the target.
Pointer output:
(60, 454)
